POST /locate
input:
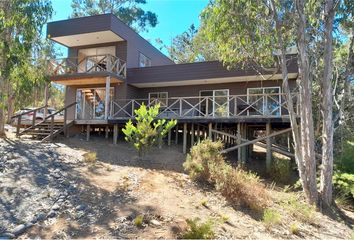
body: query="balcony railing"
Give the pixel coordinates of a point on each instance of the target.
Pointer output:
(232, 106)
(88, 64)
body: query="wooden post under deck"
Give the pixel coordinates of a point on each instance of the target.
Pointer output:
(198, 133)
(106, 131)
(239, 136)
(269, 148)
(115, 133)
(107, 101)
(210, 126)
(88, 132)
(176, 141)
(192, 135)
(185, 138)
(169, 138)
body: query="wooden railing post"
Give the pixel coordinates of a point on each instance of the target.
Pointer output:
(207, 107)
(51, 127)
(34, 118)
(65, 125)
(18, 125)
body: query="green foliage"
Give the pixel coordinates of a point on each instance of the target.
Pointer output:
(345, 162)
(271, 218)
(197, 230)
(299, 209)
(139, 220)
(147, 131)
(294, 228)
(90, 157)
(344, 183)
(205, 163)
(201, 156)
(190, 46)
(129, 11)
(281, 169)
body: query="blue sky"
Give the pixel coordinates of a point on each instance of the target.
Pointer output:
(174, 16)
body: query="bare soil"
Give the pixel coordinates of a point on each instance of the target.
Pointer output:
(109, 194)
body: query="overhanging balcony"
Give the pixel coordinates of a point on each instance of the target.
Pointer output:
(67, 71)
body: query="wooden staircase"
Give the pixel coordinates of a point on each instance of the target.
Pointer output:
(47, 129)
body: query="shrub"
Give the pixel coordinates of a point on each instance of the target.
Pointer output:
(300, 210)
(138, 221)
(206, 163)
(90, 157)
(294, 228)
(201, 157)
(344, 184)
(345, 163)
(148, 131)
(240, 187)
(197, 230)
(281, 169)
(271, 218)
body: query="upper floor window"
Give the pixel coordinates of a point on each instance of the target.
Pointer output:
(144, 61)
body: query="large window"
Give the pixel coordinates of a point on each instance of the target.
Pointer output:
(95, 59)
(159, 97)
(144, 61)
(264, 101)
(218, 103)
(91, 103)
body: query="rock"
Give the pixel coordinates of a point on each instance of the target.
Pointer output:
(56, 207)
(80, 207)
(19, 229)
(155, 222)
(51, 214)
(7, 235)
(56, 175)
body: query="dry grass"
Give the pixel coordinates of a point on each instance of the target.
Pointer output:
(271, 218)
(199, 230)
(90, 157)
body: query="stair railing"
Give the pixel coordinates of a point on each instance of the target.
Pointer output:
(19, 118)
(51, 117)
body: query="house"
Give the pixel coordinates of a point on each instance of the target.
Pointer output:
(111, 70)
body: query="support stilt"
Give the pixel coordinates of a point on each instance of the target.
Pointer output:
(169, 138)
(185, 138)
(192, 135)
(107, 131)
(210, 126)
(198, 133)
(269, 148)
(115, 133)
(176, 141)
(88, 129)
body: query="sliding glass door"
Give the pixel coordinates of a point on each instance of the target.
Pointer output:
(264, 101)
(217, 105)
(91, 103)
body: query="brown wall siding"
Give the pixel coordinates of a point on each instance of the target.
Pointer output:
(238, 88)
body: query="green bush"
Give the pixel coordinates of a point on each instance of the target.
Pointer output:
(201, 157)
(148, 131)
(281, 169)
(271, 218)
(197, 230)
(345, 162)
(344, 184)
(206, 163)
(240, 187)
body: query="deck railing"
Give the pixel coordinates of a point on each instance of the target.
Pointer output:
(232, 106)
(88, 64)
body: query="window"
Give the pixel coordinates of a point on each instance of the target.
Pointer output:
(144, 61)
(159, 97)
(264, 101)
(218, 103)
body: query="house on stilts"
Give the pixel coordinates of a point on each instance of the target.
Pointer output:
(111, 70)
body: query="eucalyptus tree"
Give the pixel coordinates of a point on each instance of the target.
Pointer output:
(129, 11)
(21, 21)
(251, 32)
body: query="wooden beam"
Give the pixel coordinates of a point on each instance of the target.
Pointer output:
(256, 140)
(176, 131)
(192, 134)
(185, 138)
(169, 138)
(107, 100)
(88, 129)
(269, 148)
(115, 133)
(210, 126)
(106, 131)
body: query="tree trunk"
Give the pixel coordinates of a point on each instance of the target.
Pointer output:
(327, 109)
(306, 116)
